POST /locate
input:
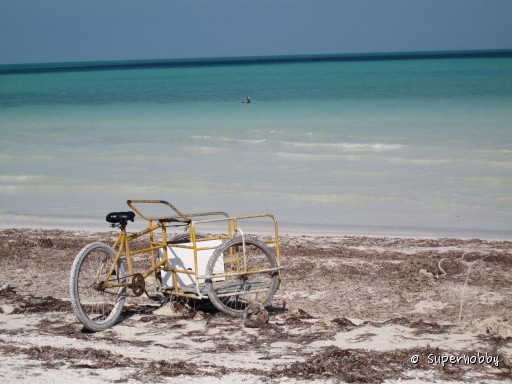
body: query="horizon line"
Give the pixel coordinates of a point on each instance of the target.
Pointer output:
(73, 66)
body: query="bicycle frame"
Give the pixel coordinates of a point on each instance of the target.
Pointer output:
(122, 245)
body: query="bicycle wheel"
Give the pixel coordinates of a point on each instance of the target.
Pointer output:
(255, 283)
(97, 307)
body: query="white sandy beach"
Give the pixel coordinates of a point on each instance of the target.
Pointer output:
(350, 309)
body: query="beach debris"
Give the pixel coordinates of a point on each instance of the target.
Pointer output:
(298, 315)
(7, 287)
(199, 316)
(45, 242)
(348, 324)
(175, 309)
(255, 316)
(426, 276)
(6, 308)
(500, 326)
(469, 264)
(279, 304)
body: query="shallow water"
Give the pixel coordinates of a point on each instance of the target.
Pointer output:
(379, 146)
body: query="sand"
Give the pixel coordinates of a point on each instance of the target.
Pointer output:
(349, 309)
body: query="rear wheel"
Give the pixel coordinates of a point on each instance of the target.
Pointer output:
(257, 282)
(97, 307)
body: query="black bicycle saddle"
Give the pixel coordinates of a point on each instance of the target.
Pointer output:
(117, 217)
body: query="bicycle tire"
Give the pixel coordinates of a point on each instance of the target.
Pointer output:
(232, 294)
(97, 309)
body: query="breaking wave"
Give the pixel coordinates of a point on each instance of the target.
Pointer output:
(349, 147)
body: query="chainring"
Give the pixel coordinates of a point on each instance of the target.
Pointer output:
(138, 284)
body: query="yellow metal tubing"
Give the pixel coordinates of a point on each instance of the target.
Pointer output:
(122, 243)
(251, 272)
(111, 271)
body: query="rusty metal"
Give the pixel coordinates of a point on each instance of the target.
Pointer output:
(138, 284)
(98, 286)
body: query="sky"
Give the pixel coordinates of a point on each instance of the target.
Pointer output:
(37, 31)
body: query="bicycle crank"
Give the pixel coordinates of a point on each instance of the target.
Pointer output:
(138, 284)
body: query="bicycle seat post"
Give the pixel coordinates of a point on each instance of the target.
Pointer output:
(123, 225)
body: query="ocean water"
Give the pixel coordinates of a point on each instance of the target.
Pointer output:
(377, 144)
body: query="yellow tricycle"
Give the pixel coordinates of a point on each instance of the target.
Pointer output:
(231, 269)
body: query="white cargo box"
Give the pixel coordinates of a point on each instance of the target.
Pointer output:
(183, 259)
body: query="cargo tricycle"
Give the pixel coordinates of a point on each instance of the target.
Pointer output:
(230, 268)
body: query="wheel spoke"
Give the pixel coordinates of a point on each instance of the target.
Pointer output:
(254, 283)
(96, 305)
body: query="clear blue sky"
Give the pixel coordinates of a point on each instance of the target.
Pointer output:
(79, 30)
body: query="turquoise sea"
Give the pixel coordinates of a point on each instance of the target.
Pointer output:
(403, 144)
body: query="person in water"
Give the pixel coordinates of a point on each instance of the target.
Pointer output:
(247, 100)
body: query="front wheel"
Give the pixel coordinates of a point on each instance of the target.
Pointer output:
(96, 306)
(250, 277)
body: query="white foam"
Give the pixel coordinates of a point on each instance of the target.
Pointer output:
(349, 147)
(355, 147)
(230, 140)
